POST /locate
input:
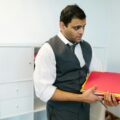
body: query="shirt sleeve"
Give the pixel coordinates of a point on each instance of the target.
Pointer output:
(45, 73)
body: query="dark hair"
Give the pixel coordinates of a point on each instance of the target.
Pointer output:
(70, 12)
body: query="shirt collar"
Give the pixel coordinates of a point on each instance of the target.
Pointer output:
(62, 37)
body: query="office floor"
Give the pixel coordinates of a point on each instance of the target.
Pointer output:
(40, 115)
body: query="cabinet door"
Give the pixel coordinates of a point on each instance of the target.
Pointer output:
(8, 91)
(16, 64)
(14, 107)
(8, 108)
(16, 90)
(25, 89)
(25, 105)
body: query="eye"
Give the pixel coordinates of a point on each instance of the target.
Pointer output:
(78, 27)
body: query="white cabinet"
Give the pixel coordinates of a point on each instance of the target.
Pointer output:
(17, 97)
(16, 81)
(16, 64)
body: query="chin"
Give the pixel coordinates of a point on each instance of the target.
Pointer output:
(77, 41)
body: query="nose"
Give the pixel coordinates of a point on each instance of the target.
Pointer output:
(81, 30)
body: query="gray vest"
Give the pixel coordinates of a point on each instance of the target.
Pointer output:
(70, 75)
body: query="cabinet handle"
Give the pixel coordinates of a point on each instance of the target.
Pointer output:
(17, 90)
(17, 106)
(30, 63)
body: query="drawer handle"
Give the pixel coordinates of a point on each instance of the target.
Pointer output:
(17, 90)
(30, 63)
(17, 106)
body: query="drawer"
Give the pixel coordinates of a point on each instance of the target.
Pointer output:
(14, 90)
(16, 63)
(8, 108)
(13, 107)
(8, 91)
(26, 105)
(25, 89)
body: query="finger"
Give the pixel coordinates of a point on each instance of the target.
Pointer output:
(93, 88)
(114, 100)
(110, 101)
(107, 98)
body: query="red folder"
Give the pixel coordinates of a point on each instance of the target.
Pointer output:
(104, 81)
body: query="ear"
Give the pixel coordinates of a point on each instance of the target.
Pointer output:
(62, 26)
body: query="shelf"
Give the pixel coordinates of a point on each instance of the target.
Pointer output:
(39, 106)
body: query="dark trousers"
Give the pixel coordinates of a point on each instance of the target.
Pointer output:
(68, 112)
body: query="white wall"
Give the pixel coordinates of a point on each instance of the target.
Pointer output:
(113, 43)
(35, 21)
(16, 21)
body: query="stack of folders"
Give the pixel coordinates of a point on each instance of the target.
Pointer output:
(104, 82)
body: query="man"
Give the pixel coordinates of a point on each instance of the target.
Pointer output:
(62, 65)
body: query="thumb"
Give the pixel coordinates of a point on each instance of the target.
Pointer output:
(92, 89)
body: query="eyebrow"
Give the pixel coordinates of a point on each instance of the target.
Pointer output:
(78, 26)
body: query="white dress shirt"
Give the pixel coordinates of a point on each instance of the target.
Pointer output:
(45, 70)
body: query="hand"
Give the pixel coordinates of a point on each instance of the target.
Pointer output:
(90, 97)
(110, 99)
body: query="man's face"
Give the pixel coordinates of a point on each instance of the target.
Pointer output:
(74, 30)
